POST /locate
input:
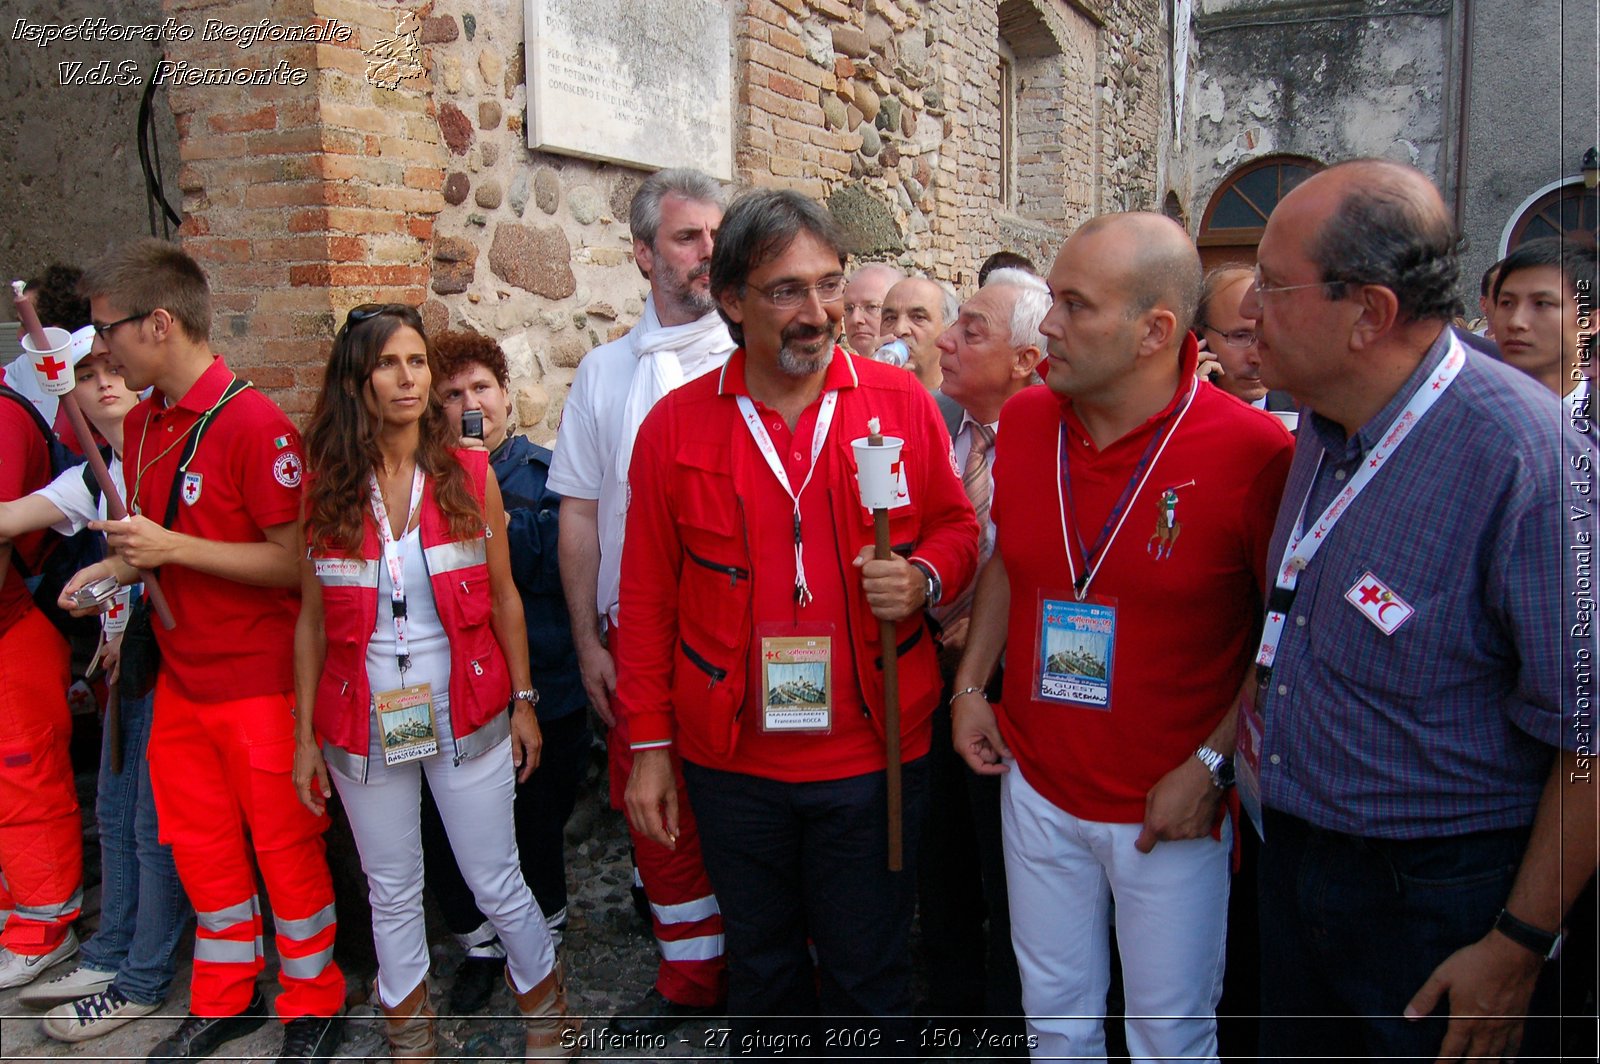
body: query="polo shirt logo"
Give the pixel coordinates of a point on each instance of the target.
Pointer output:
(1378, 604)
(1165, 536)
(286, 469)
(192, 482)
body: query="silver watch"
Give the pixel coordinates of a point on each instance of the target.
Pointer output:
(530, 696)
(1220, 767)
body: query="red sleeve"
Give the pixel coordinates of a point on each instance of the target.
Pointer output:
(272, 465)
(948, 539)
(648, 610)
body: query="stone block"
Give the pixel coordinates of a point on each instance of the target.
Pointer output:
(491, 66)
(450, 74)
(488, 114)
(490, 153)
(833, 111)
(456, 128)
(866, 101)
(818, 43)
(567, 352)
(622, 193)
(536, 258)
(456, 187)
(489, 194)
(546, 189)
(871, 143)
(532, 403)
(889, 114)
(868, 224)
(851, 41)
(585, 204)
(521, 189)
(441, 29)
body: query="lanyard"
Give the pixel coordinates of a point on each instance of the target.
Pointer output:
(391, 558)
(1302, 546)
(1094, 557)
(758, 431)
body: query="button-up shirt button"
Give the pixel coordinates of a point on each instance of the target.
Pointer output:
(1338, 474)
(797, 456)
(1275, 759)
(1300, 621)
(1283, 688)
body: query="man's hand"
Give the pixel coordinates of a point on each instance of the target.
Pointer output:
(652, 799)
(311, 777)
(895, 588)
(84, 577)
(1488, 985)
(139, 541)
(599, 673)
(1182, 805)
(1209, 368)
(976, 736)
(526, 741)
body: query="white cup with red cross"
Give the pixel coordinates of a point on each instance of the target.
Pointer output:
(52, 368)
(114, 621)
(878, 471)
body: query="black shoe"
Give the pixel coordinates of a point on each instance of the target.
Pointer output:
(475, 981)
(311, 1038)
(200, 1036)
(655, 1014)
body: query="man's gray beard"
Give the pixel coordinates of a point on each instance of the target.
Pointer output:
(694, 304)
(796, 364)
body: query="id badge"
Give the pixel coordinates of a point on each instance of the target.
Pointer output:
(796, 681)
(1073, 655)
(1247, 760)
(405, 723)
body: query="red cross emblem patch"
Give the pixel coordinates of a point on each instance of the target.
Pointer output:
(1378, 603)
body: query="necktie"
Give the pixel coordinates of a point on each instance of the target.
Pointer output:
(975, 480)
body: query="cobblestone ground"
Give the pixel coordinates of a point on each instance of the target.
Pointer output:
(609, 957)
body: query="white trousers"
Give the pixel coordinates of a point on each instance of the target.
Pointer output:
(474, 800)
(1067, 879)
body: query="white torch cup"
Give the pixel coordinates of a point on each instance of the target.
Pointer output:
(875, 471)
(52, 368)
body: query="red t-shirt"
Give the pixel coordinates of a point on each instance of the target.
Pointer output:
(1185, 622)
(232, 640)
(24, 468)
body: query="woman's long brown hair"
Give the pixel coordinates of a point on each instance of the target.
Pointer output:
(342, 440)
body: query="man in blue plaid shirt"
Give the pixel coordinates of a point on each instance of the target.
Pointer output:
(1421, 731)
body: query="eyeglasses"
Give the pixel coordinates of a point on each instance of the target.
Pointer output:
(103, 331)
(1262, 288)
(1240, 338)
(360, 314)
(865, 308)
(790, 296)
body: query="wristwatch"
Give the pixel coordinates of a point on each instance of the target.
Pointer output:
(530, 696)
(934, 589)
(1220, 767)
(1545, 943)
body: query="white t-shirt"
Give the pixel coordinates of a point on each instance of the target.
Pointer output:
(70, 494)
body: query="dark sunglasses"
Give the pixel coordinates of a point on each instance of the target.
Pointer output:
(365, 311)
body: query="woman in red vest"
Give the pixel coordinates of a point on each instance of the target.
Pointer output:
(409, 645)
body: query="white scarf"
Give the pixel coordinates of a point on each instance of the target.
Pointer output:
(668, 357)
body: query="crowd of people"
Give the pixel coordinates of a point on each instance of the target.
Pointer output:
(1227, 637)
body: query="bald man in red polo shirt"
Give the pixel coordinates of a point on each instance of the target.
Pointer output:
(1132, 511)
(222, 736)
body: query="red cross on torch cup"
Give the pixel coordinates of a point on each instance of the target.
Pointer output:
(69, 401)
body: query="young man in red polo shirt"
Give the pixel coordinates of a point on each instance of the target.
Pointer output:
(1132, 511)
(222, 741)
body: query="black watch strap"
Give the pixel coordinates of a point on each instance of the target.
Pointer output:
(1544, 943)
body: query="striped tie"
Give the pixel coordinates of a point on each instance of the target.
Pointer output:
(978, 486)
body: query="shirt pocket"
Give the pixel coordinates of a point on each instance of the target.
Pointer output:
(1363, 664)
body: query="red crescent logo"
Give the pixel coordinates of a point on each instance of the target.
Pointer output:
(1387, 606)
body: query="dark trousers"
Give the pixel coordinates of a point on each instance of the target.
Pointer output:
(541, 809)
(806, 864)
(1351, 928)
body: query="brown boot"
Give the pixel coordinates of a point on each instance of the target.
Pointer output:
(552, 1034)
(410, 1026)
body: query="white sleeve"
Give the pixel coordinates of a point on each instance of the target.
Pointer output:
(578, 466)
(70, 494)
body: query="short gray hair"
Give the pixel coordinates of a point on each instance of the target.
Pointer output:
(644, 214)
(1030, 304)
(952, 301)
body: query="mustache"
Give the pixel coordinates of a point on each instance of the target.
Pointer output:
(702, 270)
(803, 333)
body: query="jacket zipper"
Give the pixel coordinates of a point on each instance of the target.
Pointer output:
(717, 675)
(733, 571)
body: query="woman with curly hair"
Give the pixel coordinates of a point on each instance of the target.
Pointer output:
(410, 644)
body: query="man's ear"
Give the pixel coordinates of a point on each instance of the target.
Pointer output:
(1159, 325)
(1024, 360)
(163, 324)
(728, 300)
(644, 257)
(1379, 314)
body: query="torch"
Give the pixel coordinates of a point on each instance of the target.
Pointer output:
(45, 348)
(877, 460)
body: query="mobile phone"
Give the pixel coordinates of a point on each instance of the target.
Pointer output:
(472, 424)
(95, 593)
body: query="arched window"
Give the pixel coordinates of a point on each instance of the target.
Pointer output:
(1233, 222)
(1567, 210)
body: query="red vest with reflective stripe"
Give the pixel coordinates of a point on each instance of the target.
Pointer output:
(458, 570)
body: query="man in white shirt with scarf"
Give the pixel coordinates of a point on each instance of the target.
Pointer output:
(673, 219)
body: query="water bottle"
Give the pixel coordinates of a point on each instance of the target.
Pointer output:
(894, 353)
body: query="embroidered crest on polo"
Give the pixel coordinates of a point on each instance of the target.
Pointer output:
(1378, 603)
(280, 442)
(286, 469)
(192, 483)
(1165, 538)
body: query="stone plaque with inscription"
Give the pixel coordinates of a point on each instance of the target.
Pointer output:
(645, 83)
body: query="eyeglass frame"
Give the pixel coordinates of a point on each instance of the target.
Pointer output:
(1266, 289)
(1232, 338)
(869, 308)
(801, 291)
(102, 331)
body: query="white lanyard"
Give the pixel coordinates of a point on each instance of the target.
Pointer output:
(1127, 503)
(391, 558)
(752, 420)
(1302, 547)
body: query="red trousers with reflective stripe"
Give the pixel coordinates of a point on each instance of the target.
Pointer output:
(41, 834)
(683, 909)
(221, 775)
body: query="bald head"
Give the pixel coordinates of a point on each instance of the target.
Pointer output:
(1370, 221)
(1154, 262)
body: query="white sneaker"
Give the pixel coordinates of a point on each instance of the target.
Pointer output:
(92, 1016)
(18, 970)
(80, 982)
